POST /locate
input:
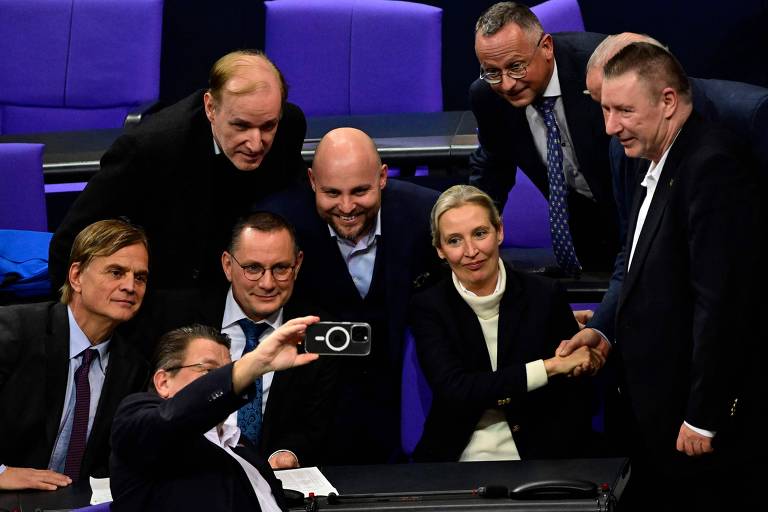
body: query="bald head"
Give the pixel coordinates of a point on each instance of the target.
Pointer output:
(347, 176)
(610, 46)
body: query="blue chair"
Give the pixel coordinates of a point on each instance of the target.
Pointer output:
(416, 398)
(353, 57)
(76, 64)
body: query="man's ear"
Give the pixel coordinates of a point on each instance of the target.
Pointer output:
(210, 106)
(160, 380)
(226, 265)
(383, 176)
(299, 259)
(75, 272)
(670, 99)
(311, 177)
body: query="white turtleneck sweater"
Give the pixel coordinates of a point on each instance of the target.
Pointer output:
(492, 438)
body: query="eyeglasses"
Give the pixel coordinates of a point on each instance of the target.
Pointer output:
(518, 70)
(281, 271)
(199, 367)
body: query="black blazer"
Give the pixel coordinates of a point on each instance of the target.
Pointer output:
(162, 461)
(164, 176)
(298, 407)
(506, 141)
(534, 316)
(34, 361)
(685, 314)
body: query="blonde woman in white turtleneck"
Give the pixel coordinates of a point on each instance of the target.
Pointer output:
(485, 339)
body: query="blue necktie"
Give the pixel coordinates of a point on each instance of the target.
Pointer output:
(562, 243)
(249, 416)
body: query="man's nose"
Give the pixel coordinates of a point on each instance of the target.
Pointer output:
(253, 143)
(612, 125)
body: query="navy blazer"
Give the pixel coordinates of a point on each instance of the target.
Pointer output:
(34, 364)
(534, 316)
(298, 407)
(162, 461)
(687, 305)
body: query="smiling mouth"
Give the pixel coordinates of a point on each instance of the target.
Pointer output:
(475, 265)
(348, 219)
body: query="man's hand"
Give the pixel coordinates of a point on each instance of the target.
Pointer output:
(585, 338)
(583, 316)
(693, 443)
(15, 479)
(283, 459)
(275, 352)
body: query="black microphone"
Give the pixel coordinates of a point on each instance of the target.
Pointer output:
(488, 491)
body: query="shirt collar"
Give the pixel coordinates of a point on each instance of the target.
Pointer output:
(654, 170)
(366, 241)
(553, 87)
(216, 148)
(233, 313)
(78, 341)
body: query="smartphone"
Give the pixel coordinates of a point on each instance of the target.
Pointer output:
(338, 338)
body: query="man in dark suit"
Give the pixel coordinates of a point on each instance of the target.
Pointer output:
(366, 247)
(63, 367)
(261, 263)
(175, 448)
(531, 113)
(196, 165)
(684, 318)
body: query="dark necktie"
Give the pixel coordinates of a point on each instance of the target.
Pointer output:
(79, 435)
(562, 243)
(249, 416)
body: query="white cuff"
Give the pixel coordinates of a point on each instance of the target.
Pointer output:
(3, 467)
(598, 331)
(536, 374)
(700, 431)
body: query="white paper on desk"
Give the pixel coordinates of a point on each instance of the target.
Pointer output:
(100, 490)
(306, 480)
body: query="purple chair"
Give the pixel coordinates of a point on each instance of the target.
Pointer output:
(350, 57)
(76, 64)
(22, 196)
(560, 16)
(101, 507)
(416, 398)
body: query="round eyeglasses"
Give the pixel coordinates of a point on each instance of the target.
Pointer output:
(516, 70)
(281, 271)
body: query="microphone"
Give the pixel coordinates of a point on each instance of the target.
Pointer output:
(488, 492)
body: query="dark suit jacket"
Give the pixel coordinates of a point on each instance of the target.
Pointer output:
(162, 461)
(552, 421)
(164, 176)
(685, 314)
(366, 415)
(298, 407)
(34, 361)
(741, 108)
(506, 143)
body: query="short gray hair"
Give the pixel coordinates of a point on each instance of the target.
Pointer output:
(498, 15)
(456, 196)
(611, 45)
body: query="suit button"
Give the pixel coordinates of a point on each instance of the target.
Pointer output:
(515, 428)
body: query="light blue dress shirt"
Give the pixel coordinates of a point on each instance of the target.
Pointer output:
(360, 257)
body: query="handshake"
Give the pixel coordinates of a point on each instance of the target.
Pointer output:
(584, 354)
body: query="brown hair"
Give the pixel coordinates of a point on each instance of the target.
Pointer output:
(172, 345)
(654, 65)
(225, 68)
(266, 222)
(102, 238)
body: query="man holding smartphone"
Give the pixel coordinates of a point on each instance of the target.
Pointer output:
(288, 417)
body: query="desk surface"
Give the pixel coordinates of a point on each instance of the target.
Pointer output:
(74, 156)
(411, 478)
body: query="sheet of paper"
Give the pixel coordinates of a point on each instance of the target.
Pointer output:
(306, 480)
(100, 490)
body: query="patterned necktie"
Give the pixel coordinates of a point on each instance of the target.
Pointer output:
(562, 243)
(249, 416)
(79, 435)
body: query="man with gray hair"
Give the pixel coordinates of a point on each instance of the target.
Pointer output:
(531, 113)
(63, 366)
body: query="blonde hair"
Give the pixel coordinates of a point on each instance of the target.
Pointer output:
(102, 238)
(456, 196)
(226, 67)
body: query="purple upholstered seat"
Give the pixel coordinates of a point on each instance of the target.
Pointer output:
(101, 507)
(560, 16)
(350, 57)
(22, 197)
(76, 64)
(416, 398)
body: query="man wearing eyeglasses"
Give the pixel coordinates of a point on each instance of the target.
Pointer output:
(288, 420)
(177, 448)
(531, 113)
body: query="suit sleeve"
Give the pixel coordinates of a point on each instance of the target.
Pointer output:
(107, 195)
(153, 429)
(10, 344)
(492, 166)
(723, 241)
(445, 366)
(294, 124)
